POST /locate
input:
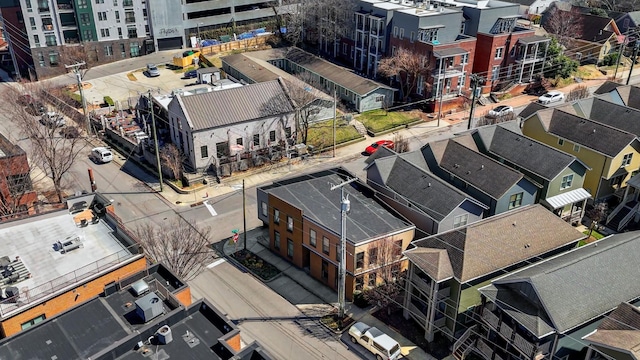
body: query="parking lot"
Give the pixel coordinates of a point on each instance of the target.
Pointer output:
(121, 87)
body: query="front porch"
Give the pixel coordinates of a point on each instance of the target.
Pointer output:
(569, 206)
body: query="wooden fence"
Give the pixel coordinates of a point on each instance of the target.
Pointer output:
(246, 44)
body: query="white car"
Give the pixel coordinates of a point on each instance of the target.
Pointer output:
(500, 111)
(374, 340)
(551, 97)
(152, 70)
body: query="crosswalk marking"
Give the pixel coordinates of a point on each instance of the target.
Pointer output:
(216, 263)
(210, 208)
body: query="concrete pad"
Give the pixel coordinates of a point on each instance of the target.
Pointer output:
(293, 292)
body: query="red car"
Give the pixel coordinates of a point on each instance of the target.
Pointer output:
(376, 145)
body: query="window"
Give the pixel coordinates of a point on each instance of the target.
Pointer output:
(312, 237)
(464, 58)
(287, 132)
(325, 270)
(560, 142)
(108, 50)
(373, 255)
(129, 17)
(325, 245)
(395, 31)
(379, 98)
(239, 141)
(87, 35)
(204, 152)
(53, 58)
(272, 135)
(515, 200)
(144, 12)
(32, 22)
(345, 48)
(289, 248)
(41, 59)
(413, 36)
(276, 216)
(99, 1)
(120, 37)
(460, 220)
(495, 71)
(397, 248)
(265, 209)
(576, 147)
(626, 160)
(32, 322)
(82, 2)
(499, 52)
(359, 283)
(102, 15)
(462, 27)
(50, 40)
(360, 260)
(28, 3)
(256, 139)
(372, 279)
(104, 32)
(36, 40)
(123, 52)
(428, 35)
(276, 240)
(289, 223)
(393, 50)
(401, 33)
(115, 2)
(117, 14)
(566, 181)
(222, 149)
(135, 49)
(132, 32)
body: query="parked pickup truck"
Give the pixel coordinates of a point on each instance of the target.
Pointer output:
(52, 119)
(374, 340)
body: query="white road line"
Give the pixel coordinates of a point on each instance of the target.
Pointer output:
(210, 208)
(216, 263)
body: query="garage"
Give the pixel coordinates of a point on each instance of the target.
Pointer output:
(170, 43)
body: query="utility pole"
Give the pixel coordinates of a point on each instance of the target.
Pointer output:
(633, 60)
(244, 214)
(76, 70)
(475, 79)
(155, 139)
(345, 206)
(335, 105)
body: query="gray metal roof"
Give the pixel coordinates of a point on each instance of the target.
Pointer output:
(567, 198)
(587, 133)
(576, 287)
(478, 170)
(231, 106)
(368, 219)
(528, 154)
(424, 190)
(494, 243)
(250, 67)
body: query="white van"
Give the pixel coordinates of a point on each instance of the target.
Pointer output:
(101, 155)
(374, 340)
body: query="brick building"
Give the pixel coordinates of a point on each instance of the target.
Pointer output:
(17, 197)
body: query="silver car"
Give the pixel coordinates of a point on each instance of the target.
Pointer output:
(152, 70)
(550, 97)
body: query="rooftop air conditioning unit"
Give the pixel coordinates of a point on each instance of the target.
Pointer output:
(139, 287)
(149, 307)
(164, 335)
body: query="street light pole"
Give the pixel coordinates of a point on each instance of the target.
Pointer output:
(345, 206)
(155, 140)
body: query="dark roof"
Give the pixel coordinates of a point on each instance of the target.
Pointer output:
(522, 2)
(628, 94)
(618, 116)
(382, 152)
(531, 109)
(109, 325)
(528, 154)
(424, 190)
(587, 133)
(332, 72)
(606, 87)
(249, 68)
(231, 106)
(619, 330)
(208, 70)
(494, 243)
(593, 26)
(7, 148)
(575, 287)
(478, 170)
(434, 262)
(368, 219)
(533, 39)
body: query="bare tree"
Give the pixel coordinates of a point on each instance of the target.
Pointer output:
(74, 54)
(401, 144)
(52, 153)
(564, 25)
(305, 101)
(181, 246)
(579, 92)
(492, 120)
(172, 158)
(409, 66)
(385, 261)
(325, 22)
(596, 214)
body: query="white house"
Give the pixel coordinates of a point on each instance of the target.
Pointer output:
(251, 123)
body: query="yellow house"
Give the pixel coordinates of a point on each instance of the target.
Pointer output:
(612, 154)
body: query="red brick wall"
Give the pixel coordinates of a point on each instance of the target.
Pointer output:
(296, 235)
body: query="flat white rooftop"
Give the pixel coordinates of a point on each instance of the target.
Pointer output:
(32, 247)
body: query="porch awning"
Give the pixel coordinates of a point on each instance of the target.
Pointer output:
(567, 198)
(634, 181)
(449, 52)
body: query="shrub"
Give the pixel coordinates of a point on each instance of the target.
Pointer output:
(108, 100)
(359, 299)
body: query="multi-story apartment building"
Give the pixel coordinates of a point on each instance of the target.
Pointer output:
(45, 34)
(170, 31)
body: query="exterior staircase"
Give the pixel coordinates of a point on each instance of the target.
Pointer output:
(359, 127)
(465, 343)
(616, 222)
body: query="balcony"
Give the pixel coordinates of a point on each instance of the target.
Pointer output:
(377, 32)
(130, 20)
(417, 314)
(65, 7)
(449, 72)
(127, 3)
(44, 9)
(523, 345)
(421, 284)
(530, 58)
(490, 318)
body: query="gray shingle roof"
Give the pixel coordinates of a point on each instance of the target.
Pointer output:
(581, 285)
(237, 105)
(608, 86)
(311, 193)
(529, 154)
(434, 262)
(480, 171)
(497, 242)
(618, 116)
(619, 330)
(424, 190)
(587, 133)
(531, 109)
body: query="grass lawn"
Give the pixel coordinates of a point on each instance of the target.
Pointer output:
(594, 236)
(380, 120)
(321, 134)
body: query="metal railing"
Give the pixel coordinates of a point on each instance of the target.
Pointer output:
(625, 220)
(490, 318)
(461, 344)
(28, 296)
(523, 345)
(620, 207)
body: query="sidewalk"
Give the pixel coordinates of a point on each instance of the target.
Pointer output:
(299, 279)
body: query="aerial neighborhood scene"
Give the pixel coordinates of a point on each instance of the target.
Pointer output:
(319, 179)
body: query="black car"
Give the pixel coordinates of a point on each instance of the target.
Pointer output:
(191, 74)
